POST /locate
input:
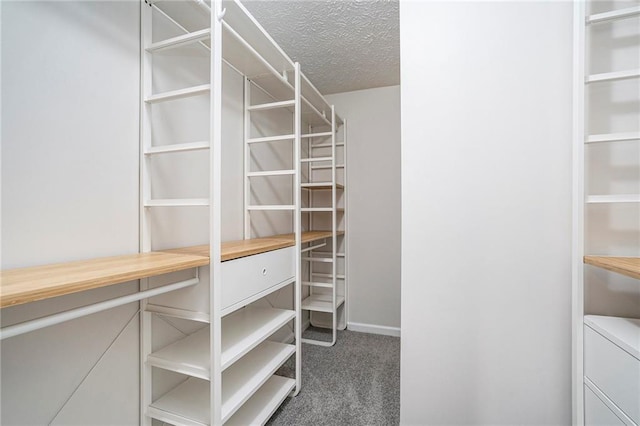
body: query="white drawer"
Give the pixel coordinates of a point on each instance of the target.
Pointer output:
(613, 370)
(250, 276)
(596, 412)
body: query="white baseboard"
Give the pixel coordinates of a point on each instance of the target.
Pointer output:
(374, 329)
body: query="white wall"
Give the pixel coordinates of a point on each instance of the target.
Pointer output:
(486, 212)
(70, 85)
(373, 174)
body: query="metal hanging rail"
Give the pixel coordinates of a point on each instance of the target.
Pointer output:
(37, 324)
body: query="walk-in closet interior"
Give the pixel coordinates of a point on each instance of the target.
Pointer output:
(320, 212)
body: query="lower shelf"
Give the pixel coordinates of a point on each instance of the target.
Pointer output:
(249, 374)
(261, 406)
(188, 403)
(321, 303)
(241, 331)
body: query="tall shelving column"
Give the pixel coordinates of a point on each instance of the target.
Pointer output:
(250, 110)
(149, 151)
(606, 348)
(324, 291)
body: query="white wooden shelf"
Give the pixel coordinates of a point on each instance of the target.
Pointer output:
(283, 207)
(315, 159)
(177, 202)
(250, 388)
(323, 275)
(272, 173)
(187, 404)
(189, 355)
(321, 302)
(318, 259)
(317, 284)
(179, 94)
(246, 376)
(338, 166)
(326, 145)
(243, 330)
(178, 147)
(271, 139)
(261, 406)
(272, 105)
(316, 135)
(181, 40)
(203, 317)
(624, 332)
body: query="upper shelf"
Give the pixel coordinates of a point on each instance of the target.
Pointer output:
(629, 266)
(25, 285)
(248, 48)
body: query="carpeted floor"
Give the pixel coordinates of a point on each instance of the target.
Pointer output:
(354, 382)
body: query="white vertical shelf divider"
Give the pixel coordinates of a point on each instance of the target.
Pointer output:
(297, 225)
(345, 244)
(215, 188)
(146, 73)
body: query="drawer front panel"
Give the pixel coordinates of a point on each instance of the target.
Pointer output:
(247, 276)
(596, 413)
(614, 371)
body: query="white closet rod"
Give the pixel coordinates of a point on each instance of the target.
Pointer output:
(36, 324)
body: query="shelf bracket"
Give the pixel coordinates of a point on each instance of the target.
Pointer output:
(221, 14)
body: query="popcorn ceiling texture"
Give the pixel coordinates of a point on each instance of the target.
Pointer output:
(342, 45)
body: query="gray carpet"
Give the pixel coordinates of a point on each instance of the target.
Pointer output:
(355, 382)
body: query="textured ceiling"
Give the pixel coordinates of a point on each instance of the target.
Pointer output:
(342, 45)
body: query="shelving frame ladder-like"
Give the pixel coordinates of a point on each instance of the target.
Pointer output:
(629, 266)
(148, 151)
(324, 296)
(295, 107)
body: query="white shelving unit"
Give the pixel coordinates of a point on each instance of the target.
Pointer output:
(223, 371)
(326, 195)
(606, 348)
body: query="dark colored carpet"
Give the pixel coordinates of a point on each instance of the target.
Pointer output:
(354, 382)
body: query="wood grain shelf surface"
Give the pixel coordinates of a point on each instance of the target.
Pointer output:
(242, 248)
(23, 285)
(321, 186)
(629, 266)
(237, 249)
(310, 236)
